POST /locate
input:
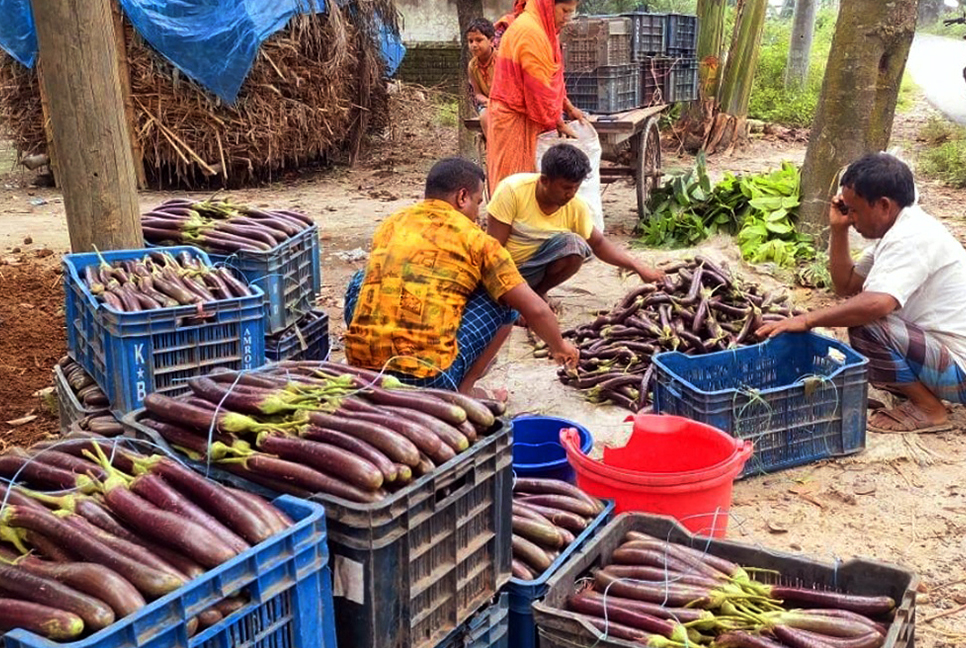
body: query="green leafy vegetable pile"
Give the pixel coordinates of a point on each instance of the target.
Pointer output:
(759, 209)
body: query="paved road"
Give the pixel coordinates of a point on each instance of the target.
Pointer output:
(936, 65)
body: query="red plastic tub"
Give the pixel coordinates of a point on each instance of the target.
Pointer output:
(670, 466)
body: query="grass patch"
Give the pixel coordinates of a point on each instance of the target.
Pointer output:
(907, 94)
(448, 113)
(770, 101)
(944, 159)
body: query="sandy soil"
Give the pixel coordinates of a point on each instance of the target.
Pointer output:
(902, 500)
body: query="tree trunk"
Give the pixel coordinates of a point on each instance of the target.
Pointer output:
(695, 123)
(858, 101)
(788, 9)
(799, 50)
(467, 11)
(95, 165)
(730, 126)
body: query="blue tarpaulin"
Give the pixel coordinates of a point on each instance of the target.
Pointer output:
(214, 42)
(17, 34)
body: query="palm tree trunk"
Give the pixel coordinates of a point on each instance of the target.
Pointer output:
(739, 75)
(799, 50)
(695, 123)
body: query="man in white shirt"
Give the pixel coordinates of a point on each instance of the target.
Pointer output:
(906, 306)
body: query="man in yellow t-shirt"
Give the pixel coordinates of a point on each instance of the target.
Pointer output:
(547, 228)
(437, 297)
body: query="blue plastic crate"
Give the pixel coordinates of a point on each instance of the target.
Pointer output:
(410, 569)
(287, 581)
(523, 631)
(488, 629)
(290, 275)
(131, 355)
(307, 339)
(799, 397)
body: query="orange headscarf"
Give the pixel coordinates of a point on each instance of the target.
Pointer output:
(528, 78)
(503, 23)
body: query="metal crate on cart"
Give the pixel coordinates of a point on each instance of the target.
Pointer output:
(560, 628)
(289, 274)
(798, 398)
(307, 339)
(589, 42)
(655, 74)
(681, 35)
(647, 34)
(523, 631)
(286, 580)
(606, 90)
(682, 80)
(132, 354)
(412, 568)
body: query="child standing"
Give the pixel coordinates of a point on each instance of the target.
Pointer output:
(479, 37)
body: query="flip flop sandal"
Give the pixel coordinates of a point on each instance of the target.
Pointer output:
(906, 416)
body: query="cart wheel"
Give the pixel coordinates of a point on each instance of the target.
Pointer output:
(647, 163)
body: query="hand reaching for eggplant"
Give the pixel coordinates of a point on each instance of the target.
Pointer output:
(797, 324)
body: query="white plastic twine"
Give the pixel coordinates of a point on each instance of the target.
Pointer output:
(114, 442)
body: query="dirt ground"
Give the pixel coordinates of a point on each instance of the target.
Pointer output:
(902, 500)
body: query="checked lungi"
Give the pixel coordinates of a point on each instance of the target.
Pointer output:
(482, 318)
(901, 353)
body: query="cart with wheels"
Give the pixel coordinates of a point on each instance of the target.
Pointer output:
(631, 143)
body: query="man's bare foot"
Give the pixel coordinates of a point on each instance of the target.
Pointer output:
(906, 417)
(500, 395)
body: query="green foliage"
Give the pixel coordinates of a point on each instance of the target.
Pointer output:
(938, 130)
(769, 99)
(759, 209)
(447, 113)
(944, 157)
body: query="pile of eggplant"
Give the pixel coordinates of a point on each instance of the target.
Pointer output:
(88, 393)
(98, 424)
(159, 280)
(548, 515)
(667, 595)
(305, 427)
(132, 527)
(698, 308)
(220, 227)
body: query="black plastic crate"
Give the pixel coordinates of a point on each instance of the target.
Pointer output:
(647, 34)
(559, 629)
(590, 42)
(308, 339)
(655, 74)
(682, 80)
(681, 35)
(409, 570)
(609, 89)
(488, 629)
(69, 407)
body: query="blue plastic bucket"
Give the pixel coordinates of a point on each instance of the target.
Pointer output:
(537, 451)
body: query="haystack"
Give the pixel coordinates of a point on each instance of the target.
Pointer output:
(316, 90)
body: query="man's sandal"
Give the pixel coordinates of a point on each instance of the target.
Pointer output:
(908, 419)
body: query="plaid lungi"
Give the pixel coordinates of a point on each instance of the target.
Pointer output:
(901, 353)
(482, 318)
(556, 247)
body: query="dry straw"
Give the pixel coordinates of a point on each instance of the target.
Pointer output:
(313, 95)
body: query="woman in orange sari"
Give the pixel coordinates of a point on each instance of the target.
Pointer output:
(528, 95)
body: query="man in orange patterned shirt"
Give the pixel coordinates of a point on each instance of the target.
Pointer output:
(436, 300)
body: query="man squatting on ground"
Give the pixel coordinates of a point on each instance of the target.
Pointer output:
(548, 229)
(906, 306)
(436, 299)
